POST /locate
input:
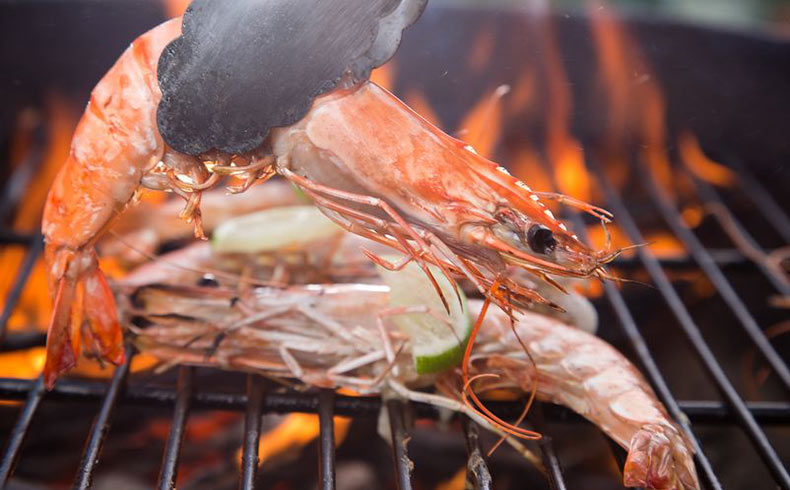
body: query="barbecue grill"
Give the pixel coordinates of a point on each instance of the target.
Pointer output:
(752, 216)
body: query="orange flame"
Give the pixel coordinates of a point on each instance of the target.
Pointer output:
(456, 482)
(482, 124)
(482, 49)
(384, 76)
(417, 101)
(526, 165)
(294, 432)
(34, 307)
(26, 364)
(564, 151)
(699, 163)
(633, 96)
(175, 8)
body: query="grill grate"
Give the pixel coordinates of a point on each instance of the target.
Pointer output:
(750, 417)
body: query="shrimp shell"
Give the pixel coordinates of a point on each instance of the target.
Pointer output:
(332, 336)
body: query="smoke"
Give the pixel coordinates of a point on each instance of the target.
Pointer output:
(236, 72)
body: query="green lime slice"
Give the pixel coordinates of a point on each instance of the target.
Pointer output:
(273, 229)
(438, 338)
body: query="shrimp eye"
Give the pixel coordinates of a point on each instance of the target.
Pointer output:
(541, 240)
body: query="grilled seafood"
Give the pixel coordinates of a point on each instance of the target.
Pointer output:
(331, 336)
(239, 256)
(138, 233)
(367, 160)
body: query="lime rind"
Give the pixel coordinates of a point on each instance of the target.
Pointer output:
(437, 345)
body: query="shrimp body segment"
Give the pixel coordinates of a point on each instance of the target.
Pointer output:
(591, 377)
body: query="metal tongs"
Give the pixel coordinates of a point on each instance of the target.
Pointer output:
(241, 68)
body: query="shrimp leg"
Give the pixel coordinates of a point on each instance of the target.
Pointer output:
(313, 189)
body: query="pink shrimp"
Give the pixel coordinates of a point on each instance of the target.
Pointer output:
(584, 373)
(339, 336)
(369, 162)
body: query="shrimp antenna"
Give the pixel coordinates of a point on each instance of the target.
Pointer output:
(532, 393)
(477, 406)
(609, 256)
(603, 274)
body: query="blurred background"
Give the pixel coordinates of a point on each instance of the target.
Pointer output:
(749, 14)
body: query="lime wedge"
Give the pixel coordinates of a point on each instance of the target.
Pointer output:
(438, 338)
(273, 229)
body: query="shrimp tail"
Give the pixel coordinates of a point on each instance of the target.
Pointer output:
(659, 458)
(84, 317)
(60, 351)
(103, 318)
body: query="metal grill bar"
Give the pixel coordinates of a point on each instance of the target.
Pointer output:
(34, 396)
(693, 333)
(396, 412)
(326, 409)
(716, 276)
(93, 446)
(16, 186)
(36, 245)
(167, 475)
(713, 201)
(708, 412)
(252, 433)
(653, 373)
(476, 469)
(650, 368)
(552, 463)
(772, 211)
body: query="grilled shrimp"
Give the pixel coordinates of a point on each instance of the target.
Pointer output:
(138, 233)
(589, 376)
(368, 161)
(338, 336)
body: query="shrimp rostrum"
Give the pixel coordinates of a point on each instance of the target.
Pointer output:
(367, 160)
(343, 335)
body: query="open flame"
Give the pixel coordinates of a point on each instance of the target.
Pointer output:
(699, 163)
(34, 307)
(564, 151)
(174, 8)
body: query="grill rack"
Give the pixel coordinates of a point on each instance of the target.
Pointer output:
(734, 411)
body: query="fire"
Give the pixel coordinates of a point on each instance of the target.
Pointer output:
(699, 163)
(26, 364)
(34, 306)
(634, 99)
(481, 126)
(174, 8)
(482, 49)
(384, 76)
(526, 165)
(419, 102)
(564, 151)
(293, 433)
(456, 482)
(662, 244)
(522, 94)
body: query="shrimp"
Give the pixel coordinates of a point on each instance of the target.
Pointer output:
(137, 234)
(368, 161)
(589, 376)
(338, 336)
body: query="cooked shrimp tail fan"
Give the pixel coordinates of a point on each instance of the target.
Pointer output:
(84, 318)
(659, 457)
